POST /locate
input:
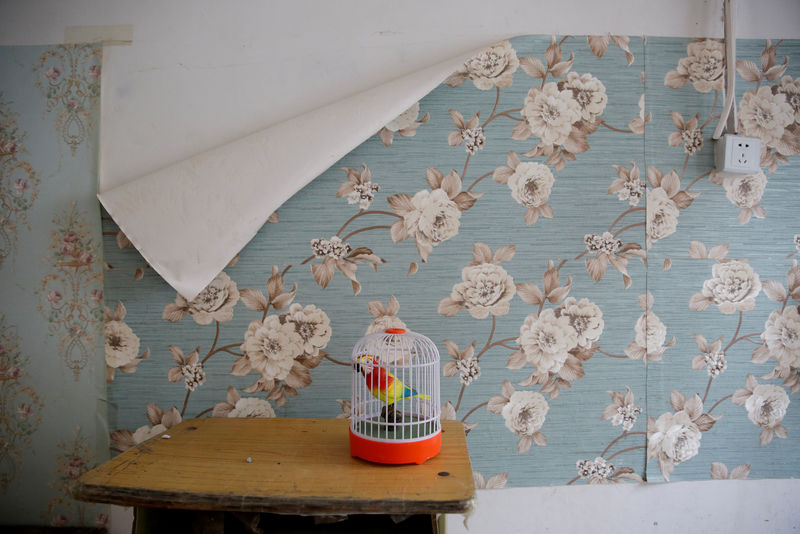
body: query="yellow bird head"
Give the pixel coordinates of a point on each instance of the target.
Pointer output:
(365, 363)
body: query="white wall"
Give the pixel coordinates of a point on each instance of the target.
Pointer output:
(712, 507)
(203, 72)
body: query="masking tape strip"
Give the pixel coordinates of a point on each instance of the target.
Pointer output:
(118, 34)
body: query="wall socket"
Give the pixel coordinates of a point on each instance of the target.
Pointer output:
(737, 154)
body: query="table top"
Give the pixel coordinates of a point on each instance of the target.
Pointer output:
(297, 466)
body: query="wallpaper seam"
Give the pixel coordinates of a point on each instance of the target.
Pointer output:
(647, 265)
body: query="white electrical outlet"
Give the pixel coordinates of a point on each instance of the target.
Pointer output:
(738, 154)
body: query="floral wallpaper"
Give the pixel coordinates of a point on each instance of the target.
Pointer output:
(51, 282)
(608, 309)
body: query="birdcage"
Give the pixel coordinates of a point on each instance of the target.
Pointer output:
(395, 407)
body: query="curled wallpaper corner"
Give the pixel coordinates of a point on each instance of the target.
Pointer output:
(189, 219)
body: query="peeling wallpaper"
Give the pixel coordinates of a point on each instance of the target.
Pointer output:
(607, 308)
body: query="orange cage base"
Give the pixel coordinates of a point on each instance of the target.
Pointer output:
(413, 452)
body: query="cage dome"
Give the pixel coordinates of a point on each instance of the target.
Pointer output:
(395, 408)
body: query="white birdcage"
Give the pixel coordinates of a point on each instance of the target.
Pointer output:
(395, 410)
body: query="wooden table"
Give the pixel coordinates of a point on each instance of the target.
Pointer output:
(286, 466)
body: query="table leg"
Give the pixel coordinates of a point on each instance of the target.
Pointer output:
(208, 522)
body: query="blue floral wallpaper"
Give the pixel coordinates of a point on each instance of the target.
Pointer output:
(51, 282)
(607, 307)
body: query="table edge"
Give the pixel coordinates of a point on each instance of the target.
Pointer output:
(273, 504)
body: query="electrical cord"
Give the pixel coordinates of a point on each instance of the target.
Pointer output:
(728, 115)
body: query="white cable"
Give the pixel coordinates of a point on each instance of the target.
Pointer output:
(728, 115)
(730, 62)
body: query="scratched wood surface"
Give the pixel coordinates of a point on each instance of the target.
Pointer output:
(298, 466)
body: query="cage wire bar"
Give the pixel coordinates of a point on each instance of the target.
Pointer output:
(410, 409)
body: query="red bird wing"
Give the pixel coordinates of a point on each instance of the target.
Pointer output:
(380, 380)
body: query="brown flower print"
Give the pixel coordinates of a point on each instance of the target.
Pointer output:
(486, 288)
(283, 348)
(585, 317)
(431, 217)
(791, 90)
(270, 348)
(733, 287)
(599, 45)
(639, 122)
(462, 363)
(674, 438)
(122, 345)
(601, 471)
(312, 325)
(498, 481)
(546, 340)
(237, 406)
(764, 115)
(688, 133)
(719, 471)
(588, 92)
(123, 440)
(557, 341)
(664, 202)
(770, 112)
(608, 250)
(549, 113)
(122, 240)
(359, 188)
(651, 334)
(766, 406)
(339, 255)
(744, 192)
(189, 368)
(494, 67)
(279, 298)
(563, 114)
(781, 340)
(604, 249)
(704, 67)
(769, 69)
(214, 303)
(622, 410)
(662, 215)
(405, 124)
(530, 184)
(711, 357)
(345, 407)
(524, 413)
(468, 132)
(384, 316)
(627, 186)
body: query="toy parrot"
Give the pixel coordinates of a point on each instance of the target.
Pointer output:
(385, 386)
